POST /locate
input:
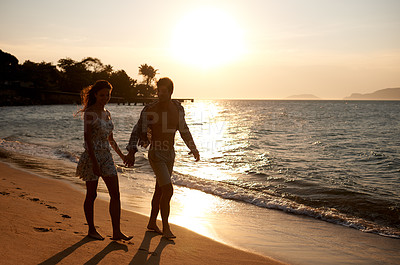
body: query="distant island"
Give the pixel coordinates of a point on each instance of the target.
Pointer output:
(303, 96)
(382, 94)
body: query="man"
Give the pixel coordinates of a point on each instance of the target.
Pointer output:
(159, 121)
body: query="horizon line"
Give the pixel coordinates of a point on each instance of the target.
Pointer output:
(299, 99)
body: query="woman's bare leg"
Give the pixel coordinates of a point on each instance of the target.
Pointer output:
(115, 207)
(88, 206)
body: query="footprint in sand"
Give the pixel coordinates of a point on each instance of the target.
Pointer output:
(65, 216)
(42, 229)
(47, 205)
(51, 207)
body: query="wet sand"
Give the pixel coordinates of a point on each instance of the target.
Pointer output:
(43, 223)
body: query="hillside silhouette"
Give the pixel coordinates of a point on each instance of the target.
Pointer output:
(382, 94)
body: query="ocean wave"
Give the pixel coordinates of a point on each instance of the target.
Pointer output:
(300, 158)
(228, 190)
(63, 154)
(26, 148)
(38, 150)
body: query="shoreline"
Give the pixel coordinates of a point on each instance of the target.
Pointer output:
(43, 222)
(284, 237)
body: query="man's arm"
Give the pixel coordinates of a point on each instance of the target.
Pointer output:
(133, 141)
(188, 139)
(132, 147)
(138, 137)
(185, 133)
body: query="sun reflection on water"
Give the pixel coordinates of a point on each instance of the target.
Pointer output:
(196, 210)
(216, 134)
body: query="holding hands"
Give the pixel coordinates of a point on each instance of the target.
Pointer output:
(130, 159)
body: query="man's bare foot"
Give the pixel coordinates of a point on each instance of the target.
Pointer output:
(121, 236)
(154, 228)
(95, 235)
(168, 235)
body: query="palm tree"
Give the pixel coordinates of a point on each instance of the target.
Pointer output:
(148, 72)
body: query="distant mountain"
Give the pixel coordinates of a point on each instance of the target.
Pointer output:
(383, 94)
(303, 96)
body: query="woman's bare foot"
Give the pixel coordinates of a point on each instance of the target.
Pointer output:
(154, 228)
(121, 236)
(95, 235)
(168, 235)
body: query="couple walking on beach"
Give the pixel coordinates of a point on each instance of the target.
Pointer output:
(155, 128)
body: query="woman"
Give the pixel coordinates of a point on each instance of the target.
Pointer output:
(96, 161)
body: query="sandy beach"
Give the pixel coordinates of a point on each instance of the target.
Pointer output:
(43, 223)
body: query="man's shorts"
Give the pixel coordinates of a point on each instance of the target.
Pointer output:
(162, 162)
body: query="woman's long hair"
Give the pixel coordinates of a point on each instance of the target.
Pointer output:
(88, 97)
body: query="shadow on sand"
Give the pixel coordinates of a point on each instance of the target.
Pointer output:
(142, 255)
(66, 252)
(112, 246)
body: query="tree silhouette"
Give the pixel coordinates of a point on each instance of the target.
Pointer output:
(31, 82)
(123, 85)
(44, 76)
(8, 66)
(74, 74)
(104, 74)
(93, 64)
(149, 74)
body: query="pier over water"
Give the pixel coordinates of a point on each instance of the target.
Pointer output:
(142, 101)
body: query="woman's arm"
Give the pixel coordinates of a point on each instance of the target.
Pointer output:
(115, 146)
(113, 143)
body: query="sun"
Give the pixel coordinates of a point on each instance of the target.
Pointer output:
(207, 37)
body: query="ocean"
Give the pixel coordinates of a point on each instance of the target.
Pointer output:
(332, 161)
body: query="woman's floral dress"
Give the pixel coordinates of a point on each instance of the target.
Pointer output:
(101, 129)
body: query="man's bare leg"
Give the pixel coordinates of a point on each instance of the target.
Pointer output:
(155, 208)
(166, 195)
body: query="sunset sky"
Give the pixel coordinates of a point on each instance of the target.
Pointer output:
(257, 49)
